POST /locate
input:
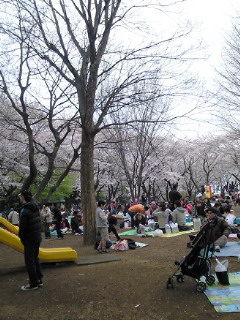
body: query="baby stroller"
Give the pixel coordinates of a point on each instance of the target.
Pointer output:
(197, 263)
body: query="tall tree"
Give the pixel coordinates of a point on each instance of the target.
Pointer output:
(106, 76)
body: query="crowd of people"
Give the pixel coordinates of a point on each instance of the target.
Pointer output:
(32, 222)
(177, 211)
(55, 220)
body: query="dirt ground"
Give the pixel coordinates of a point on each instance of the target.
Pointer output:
(132, 288)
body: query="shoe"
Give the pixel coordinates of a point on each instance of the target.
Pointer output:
(40, 283)
(104, 251)
(217, 248)
(29, 287)
(99, 250)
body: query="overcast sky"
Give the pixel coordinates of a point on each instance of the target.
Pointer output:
(214, 20)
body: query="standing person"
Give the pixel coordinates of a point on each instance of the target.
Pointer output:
(133, 210)
(58, 219)
(144, 199)
(13, 217)
(200, 209)
(102, 226)
(47, 220)
(30, 236)
(174, 195)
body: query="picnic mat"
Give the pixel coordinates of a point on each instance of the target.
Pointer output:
(99, 258)
(150, 233)
(225, 298)
(231, 249)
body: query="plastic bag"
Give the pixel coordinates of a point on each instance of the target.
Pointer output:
(174, 227)
(157, 233)
(221, 266)
(197, 224)
(221, 270)
(121, 246)
(168, 229)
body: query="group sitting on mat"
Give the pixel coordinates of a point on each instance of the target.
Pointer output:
(175, 216)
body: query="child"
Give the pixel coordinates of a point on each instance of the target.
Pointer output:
(102, 226)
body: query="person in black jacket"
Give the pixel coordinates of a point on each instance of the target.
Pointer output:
(174, 195)
(57, 217)
(30, 236)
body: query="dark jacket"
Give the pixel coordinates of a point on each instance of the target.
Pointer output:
(174, 195)
(57, 215)
(216, 228)
(29, 223)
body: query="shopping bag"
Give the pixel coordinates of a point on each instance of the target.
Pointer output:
(221, 270)
(197, 224)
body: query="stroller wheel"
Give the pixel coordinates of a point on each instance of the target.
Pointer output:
(180, 278)
(210, 280)
(201, 286)
(170, 283)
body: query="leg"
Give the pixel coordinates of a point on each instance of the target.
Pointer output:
(104, 238)
(31, 251)
(221, 242)
(47, 230)
(132, 214)
(58, 229)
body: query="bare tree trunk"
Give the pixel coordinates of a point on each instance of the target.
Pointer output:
(87, 187)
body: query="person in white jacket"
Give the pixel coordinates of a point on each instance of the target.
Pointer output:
(13, 217)
(162, 213)
(179, 216)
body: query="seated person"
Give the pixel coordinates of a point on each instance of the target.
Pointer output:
(179, 216)
(64, 224)
(162, 213)
(230, 218)
(75, 224)
(220, 230)
(140, 221)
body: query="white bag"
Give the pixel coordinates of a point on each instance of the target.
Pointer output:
(197, 224)
(126, 224)
(221, 270)
(157, 233)
(221, 266)
(174, 227)
(168, 229)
